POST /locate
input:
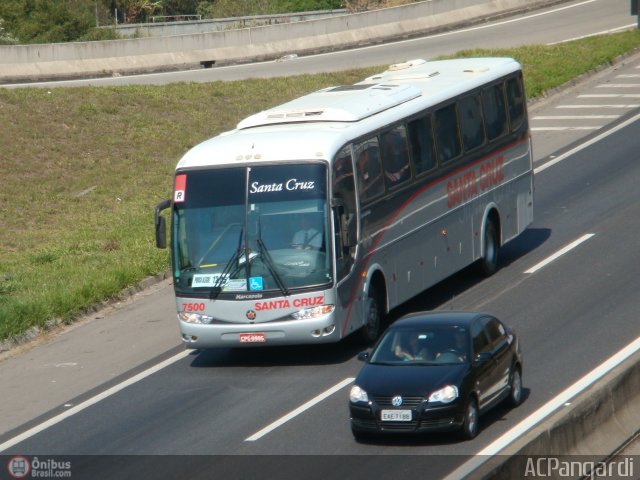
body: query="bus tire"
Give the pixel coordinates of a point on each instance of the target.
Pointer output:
(370, 331)
(489, 260)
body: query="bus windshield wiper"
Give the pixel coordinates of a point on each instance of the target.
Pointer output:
(217, 287)
(266, 258)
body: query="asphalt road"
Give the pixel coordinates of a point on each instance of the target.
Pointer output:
(572, 314)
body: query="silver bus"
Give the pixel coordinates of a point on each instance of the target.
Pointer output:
(311, 220)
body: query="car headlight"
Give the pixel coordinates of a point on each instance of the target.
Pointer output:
(190, 317)
(445, 395)
(312, 312)
(358, 395)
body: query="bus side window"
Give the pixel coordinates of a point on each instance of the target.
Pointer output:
(516, 102)
(395, 156)
(471, 122)
(445, 124)
(422, 147)
(369, 169)
(493, 108)
(344, 190)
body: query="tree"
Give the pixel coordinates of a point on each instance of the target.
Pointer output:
(6, 37)
(42, 21)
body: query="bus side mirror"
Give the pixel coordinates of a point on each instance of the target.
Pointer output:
(161, 224)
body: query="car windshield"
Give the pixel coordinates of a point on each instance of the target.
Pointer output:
(252, 229)
(431, 345)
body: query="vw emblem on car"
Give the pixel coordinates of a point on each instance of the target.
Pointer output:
(396, 401)
(251, 315)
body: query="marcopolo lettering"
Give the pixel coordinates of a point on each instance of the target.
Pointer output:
(291, 185)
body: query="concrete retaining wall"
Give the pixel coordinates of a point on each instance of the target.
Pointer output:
(596, 424)
(82, 59)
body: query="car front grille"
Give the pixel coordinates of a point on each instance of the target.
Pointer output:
(407, 402)
(398, 426)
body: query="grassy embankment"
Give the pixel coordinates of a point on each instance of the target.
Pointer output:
(83, 168)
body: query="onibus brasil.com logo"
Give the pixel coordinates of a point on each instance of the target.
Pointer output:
(21, 467)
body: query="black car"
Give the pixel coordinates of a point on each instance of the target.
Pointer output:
(436, 371)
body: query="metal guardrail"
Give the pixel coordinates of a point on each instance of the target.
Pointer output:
(184, 26)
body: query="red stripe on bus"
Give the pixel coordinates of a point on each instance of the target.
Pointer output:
(395, 214)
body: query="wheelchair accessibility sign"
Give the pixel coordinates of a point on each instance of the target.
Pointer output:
(255, 283)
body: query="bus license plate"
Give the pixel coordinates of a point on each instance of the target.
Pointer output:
(253, 338)
(396, 415)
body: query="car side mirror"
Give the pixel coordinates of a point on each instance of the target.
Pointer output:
(482, 358)
(363, 356)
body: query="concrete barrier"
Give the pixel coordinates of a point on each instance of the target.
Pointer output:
(20, 63)
(595, 424)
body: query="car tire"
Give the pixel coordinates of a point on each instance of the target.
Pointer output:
(515, 387)
(370, 332)
(471, 416)
(489, 260)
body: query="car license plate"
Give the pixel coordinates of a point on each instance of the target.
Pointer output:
(396, 415)
(253, 338)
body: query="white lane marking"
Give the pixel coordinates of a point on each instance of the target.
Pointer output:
(559, 253)
(573, 117)
(561, 129)
(299, 410)
(92, 401)
(586, 144)
(610, 95)
(611, 105)
(618, 85)
(544, 411)
(604, 32)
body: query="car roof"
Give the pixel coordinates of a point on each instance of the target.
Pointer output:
(420, 319)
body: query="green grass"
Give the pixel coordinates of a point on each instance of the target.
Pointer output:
(83, 169)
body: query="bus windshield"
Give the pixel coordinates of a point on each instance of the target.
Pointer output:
(252, 229)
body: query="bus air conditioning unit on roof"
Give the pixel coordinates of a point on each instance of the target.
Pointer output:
(349, 103)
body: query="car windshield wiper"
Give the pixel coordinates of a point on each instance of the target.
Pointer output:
(266, 258)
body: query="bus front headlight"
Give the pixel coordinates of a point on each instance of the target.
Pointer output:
(190, 317)
(312, 312)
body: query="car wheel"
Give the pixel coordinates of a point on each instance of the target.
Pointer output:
(471, 417)
(370, 332)
(489, 261)
(515, 387)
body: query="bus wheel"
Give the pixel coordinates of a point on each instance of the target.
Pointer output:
(489, 261)
(370, 332)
